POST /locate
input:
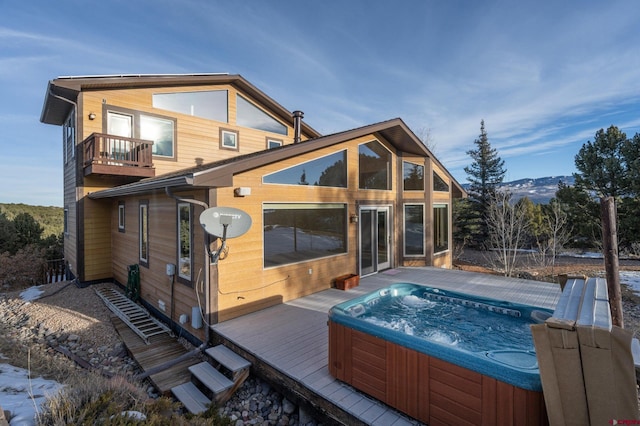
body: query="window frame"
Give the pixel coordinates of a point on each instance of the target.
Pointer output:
(404, 179)
(436, 223)
(135, 130)
(188, 280)
(304, 206)
(69, 136)
(404, 230)
(65, 221)
(345, 154)
(269, 140)
(143, 234)
(236, 138)
(121, 216)
(389, 171)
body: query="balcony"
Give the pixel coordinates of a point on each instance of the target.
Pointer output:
(117, 156)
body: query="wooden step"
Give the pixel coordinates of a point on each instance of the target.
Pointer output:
(191, 397)
(228, 359)
(211, 378)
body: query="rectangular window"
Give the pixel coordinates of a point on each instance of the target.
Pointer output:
(298, 232)
(69, 137)
(161, 132)
(121, 216)
(66, 222)
(211, 104)
(273, 143)
(143, 233)
(229, 139)
(440, 228)
(413, 176)
(414, 229)
(184, 242)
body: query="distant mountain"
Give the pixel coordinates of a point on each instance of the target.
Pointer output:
(539, 190)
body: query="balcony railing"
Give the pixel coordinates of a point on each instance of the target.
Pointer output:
(116, 155)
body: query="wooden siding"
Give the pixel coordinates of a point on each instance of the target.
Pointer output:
(197, 138)
(426, 388)
(244, 284)
(156, 287)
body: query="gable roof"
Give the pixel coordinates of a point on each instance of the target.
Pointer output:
(220, 173)
(62, 93)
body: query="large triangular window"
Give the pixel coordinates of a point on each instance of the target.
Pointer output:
(330, 170)
(249, 115)
(374, 162)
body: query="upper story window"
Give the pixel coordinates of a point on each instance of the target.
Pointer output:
(374, 166)
(330, 170)
(249, 115)
(273, 143)
(69, 137)
(212, 104)
(413, 176)
(439, 184)
(134, 124)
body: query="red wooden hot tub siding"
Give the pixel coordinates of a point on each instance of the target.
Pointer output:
(427, 388)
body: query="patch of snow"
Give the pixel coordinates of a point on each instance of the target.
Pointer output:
(23, 397)
(631, 279)
(32, 293)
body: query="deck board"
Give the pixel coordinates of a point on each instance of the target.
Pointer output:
(293, 337)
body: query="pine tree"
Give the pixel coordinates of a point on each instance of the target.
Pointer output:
(484, 175)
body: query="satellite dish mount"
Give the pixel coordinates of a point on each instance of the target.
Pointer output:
(223, 223)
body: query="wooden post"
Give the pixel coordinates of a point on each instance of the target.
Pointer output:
(610, 251)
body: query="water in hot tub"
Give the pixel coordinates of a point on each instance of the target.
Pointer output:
(467, 328)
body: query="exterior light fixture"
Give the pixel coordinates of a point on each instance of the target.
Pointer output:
(92, 116)
(353, 218)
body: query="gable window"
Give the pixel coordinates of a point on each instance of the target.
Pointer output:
(440, 228)
(330, 170)
(298, 232)
(374, 162)
(414, 229)
(273, 143)
(69, 137)
(413, 176)
(439, 184)
(212, 104)
(249, 115)
(229, 139)
(143, 233)
(184, 241)
(121, 216)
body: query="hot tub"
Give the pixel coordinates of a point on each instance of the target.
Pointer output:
(440, 356)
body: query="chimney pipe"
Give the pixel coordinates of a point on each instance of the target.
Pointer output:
(297, 124)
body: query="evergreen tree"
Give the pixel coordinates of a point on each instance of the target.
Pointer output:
(484, 175)
(602, 164)
(28, 231)
(583, 215)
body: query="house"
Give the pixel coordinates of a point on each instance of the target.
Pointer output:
(145, 155)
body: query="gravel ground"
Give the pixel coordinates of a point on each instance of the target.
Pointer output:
(77, 319)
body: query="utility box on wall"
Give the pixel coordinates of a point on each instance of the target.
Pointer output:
(345, 282)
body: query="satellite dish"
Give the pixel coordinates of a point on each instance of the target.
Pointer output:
(225, 222)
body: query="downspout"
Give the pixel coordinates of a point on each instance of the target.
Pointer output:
(207, 278)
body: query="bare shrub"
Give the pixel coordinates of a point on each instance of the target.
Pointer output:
(24, 269)
(507, 225)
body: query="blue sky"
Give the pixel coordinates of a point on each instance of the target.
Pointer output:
(544, 75)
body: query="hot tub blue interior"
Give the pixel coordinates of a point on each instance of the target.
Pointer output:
(488, 336)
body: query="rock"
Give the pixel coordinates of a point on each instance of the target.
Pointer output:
(287, 406)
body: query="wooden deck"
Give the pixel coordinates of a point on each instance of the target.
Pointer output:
(161, 349)
(289, 342)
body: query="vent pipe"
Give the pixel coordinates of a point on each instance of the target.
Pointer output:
(297, 124)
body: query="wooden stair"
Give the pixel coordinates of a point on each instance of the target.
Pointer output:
(214, 380)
